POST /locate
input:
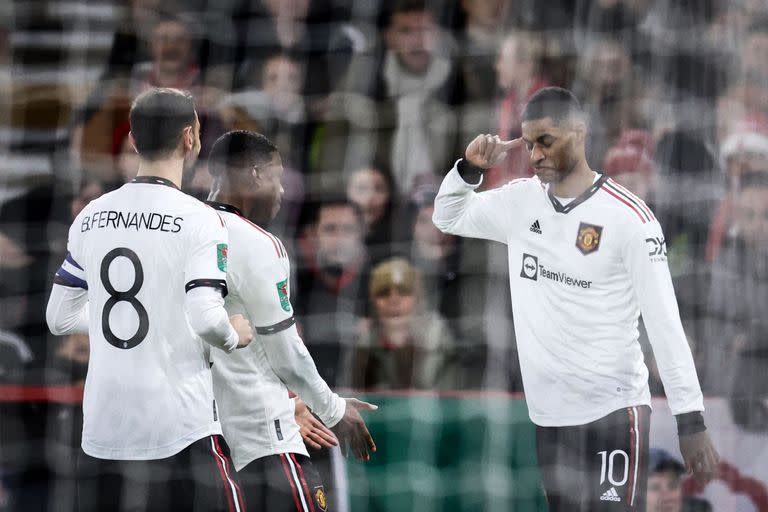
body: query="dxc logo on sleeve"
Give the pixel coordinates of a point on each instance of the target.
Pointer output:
(657, 248)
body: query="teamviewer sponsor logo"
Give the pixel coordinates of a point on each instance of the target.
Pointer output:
(610, 495)
(530, 268)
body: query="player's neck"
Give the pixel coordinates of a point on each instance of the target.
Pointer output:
(247, 206)
(576, 182)
(171, 169)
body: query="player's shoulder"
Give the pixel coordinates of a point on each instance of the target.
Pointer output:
(524, 184)
(243, 231)
(625, 206)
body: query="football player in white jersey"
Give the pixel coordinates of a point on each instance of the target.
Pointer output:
(251, 385)
(145, 275)
(586, 257)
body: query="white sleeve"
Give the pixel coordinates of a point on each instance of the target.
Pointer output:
(205, 310)
(292, 363)
(205, 275)
(67, 310)
(264, 290)
(645, 257)
(459, 210)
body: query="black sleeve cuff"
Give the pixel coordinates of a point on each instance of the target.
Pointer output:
(280, 326)
(690, 423)
(218, 284)
(468, 172)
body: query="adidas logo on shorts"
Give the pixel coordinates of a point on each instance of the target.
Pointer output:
(610, 495)
(536, 227)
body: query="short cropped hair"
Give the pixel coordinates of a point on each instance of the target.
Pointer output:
(406, 7)
(239, 150)
(554, 102)
(158, 118)
(311, 210)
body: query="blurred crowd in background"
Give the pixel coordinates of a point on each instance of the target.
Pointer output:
(370, 103)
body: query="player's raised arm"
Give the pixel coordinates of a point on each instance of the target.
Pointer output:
(645, 256)
(206, 288)
(461, 211)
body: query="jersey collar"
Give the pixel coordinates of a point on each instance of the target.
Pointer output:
(559, 208)
(223, 207)
(154, 180)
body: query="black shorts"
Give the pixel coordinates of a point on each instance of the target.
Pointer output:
(201, 477)
(602, 465)
(283, 483)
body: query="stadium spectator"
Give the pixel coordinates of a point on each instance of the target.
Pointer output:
(301, 28)
(686, 192)
(454, 281)
(665, 489)
(173, 60)
(408, 345)
(630, 163)
(518, 77)
(398, 106)
(330, 282)
(479, 42)
(275, 104)
(743, 151)
(606, 82)
(735, 361)
(372, 189)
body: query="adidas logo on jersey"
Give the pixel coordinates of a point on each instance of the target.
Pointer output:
(610, 495)
(536, 227)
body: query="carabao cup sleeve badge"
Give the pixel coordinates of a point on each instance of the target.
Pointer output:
(221, 257)
(588, 238)
(282, 293)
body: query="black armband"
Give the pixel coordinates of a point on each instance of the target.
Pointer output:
(468, 172)
(690, 423)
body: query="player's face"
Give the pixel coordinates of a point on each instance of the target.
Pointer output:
(664, 493)
(338, 237)
(268, 184)
(369, 190)
(554, 148)
(752, 216)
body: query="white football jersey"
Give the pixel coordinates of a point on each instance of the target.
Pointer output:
(148, 391)
(257, 414)
(580, 275)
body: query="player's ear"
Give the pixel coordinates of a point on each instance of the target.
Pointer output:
(188, 137)
(580, 127)
(132, 142)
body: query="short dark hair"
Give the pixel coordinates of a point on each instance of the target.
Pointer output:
(311, 210)
(158, 118)
(553, 102)
(404, 7)
(239, 150)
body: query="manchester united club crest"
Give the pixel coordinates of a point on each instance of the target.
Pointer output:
(588, 238)
(320, 498)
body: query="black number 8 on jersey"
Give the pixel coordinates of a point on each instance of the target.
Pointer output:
(128, 296)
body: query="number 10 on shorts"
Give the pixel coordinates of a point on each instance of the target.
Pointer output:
(608, 468)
